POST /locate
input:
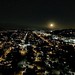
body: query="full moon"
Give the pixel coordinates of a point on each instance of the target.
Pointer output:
(51, 25)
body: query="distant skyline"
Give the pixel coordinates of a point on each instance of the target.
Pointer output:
(38, 14)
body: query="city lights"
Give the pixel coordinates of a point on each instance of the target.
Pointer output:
(34, 51)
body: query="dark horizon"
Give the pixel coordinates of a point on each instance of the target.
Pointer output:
(38, 14)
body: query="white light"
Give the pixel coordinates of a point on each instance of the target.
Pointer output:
(51, 25)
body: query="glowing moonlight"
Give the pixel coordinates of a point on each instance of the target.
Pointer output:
(51, 25)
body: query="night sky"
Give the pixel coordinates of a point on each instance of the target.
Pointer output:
(37, 14)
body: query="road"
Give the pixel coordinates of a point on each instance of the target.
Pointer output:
(50, 44)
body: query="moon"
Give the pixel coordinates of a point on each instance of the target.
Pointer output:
(51, 25)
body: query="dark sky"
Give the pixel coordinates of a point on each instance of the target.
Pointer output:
(38, 14)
